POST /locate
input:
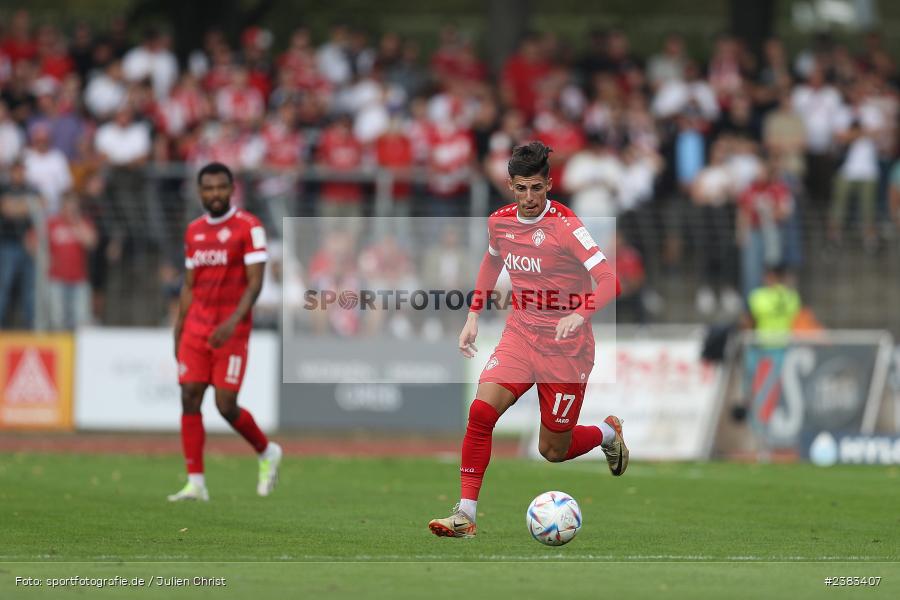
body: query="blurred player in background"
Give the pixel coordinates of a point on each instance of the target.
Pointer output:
(548, 339)
(225, 256)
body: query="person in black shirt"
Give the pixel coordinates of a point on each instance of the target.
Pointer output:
(19, 207)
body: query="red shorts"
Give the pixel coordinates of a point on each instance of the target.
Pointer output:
(222, 367)
(518, 363)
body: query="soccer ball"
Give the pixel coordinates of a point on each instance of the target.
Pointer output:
(553, 518)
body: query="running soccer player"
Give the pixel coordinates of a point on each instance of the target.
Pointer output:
(225, 255)
(548, 340)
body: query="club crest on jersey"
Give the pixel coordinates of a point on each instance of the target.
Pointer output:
(538, 237)
(491, 363)
(223, 234)
(514, 262)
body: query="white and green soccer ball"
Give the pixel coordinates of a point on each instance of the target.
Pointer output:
(553, 518)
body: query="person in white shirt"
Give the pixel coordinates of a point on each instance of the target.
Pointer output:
(46, 168)
(106, 91)
(593, 176)
(676, 95)
(125, 146)
(818, 105)
(123, 142)
(713, 192)
(152, 60)
(857, 176)
(668, 64)
(333, 58)
(12, 141)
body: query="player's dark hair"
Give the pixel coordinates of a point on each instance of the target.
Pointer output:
(214, 168)
(530, 159)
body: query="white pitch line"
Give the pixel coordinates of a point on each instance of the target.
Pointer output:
(399, 558)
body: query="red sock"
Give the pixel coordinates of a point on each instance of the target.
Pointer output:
(193, 437)
(584, 439)
(476, 447)
(246, 426)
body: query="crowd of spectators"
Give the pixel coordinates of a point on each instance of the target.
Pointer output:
(718, 152)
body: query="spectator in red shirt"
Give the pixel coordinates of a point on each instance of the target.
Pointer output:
(71, 237)
(219, 74)
(52, 55)
(299, 51)
(456, 58)
(386, 265)
(444, 59)
(19, 45)
(340, 153)
(284, 142)
(283, 154)
(629, 268)
(256, 43)
(240, 101)
(333, 267)
(184, 108)
(394, 151)
(522, 74)
(565, 137)
(451, 157)
(763, 210)
(513, 131)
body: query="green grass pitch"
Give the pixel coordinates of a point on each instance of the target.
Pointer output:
(356, 528)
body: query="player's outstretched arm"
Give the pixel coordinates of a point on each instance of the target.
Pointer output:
(467, 336)
(606, 292)
(248, 298)
(184, 304)
(488, 272)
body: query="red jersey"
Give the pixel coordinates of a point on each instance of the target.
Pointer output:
(566, 139)
(548, 258)
(761, 199)
(218, 250)
(284, 145)
(629, 265)
(395, 151)
(452, 151)
(339, 150)
(57, 66)
(523, 78)
(17, 49)
(242, 104)
(68, 256)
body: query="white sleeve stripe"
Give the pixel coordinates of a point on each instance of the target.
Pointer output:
(251, 258)
(492, 251)
(188, 263)
(595, 260)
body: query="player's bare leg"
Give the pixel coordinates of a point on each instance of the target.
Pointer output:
(491, 401)
(242, 421)
(193, 436)
(566, 445)
(553, 445)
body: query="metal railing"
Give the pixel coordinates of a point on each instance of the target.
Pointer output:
(144, 213)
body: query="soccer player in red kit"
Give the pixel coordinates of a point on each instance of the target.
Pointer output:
(225, 255)
(548, 340)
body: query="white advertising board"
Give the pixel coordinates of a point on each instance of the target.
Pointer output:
(128, 379)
